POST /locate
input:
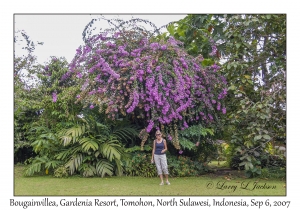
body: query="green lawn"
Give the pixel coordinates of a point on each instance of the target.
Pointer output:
(138, 186)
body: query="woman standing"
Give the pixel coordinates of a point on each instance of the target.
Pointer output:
(159, 157)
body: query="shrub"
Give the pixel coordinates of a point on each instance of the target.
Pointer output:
(140, 165)
(183, 166)
(61, 172)
(273, 172)
(235, 161)
(276, 161)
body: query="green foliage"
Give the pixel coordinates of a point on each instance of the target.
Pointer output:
(140, 165)
(182, 166)
(104, 167)
(275, 161)
(253, 49)
(223, 151)
(186, 143)
(196, 133)
(61, 172)
(89, 148)
(273, 173)
(39, 164)
(146, 148)
(194, 31)
(234, 162)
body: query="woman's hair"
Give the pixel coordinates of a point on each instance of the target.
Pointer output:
(157, 132)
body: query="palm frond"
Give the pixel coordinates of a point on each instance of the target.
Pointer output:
(38, 129)
(88, 143)
(104, 167)
(74, 162)
(50, 136)
(36, 165)
(88, 170)
(66, 153)
(125, 133)
(109, 149)
(119, 168)
(72, 134)
(66, 140)
(101, 128)
(40, 144)
(53, 164)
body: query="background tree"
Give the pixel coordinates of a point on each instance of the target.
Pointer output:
(253, 49)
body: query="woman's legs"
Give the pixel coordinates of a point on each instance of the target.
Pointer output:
(162, 167)
(161, 178)
(166, 175)
(157, 161)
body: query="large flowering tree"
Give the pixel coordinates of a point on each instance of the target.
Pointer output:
(151, 78)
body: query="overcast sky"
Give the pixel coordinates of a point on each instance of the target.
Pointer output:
(62, 34)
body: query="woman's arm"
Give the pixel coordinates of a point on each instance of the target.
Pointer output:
(166, 148)
(153, 149)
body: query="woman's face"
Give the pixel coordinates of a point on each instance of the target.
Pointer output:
(158, 135)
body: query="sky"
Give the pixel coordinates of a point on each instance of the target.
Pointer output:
(58, 41)
(62, 34)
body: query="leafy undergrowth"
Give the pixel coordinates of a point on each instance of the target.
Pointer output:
(218, 164)
(126, 186)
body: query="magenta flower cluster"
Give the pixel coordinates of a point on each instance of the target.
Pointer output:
(156, 80)
(54, 97)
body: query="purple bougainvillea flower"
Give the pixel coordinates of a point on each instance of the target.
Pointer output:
(54, 97)
(164, 47)
(79, 75)
(92, 106)
(180, 152)
(224, 110)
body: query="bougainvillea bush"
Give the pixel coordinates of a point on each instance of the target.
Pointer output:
(138, 75)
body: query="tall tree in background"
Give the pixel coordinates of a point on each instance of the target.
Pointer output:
(253, 50)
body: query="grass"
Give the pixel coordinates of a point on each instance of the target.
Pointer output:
(139, 186)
